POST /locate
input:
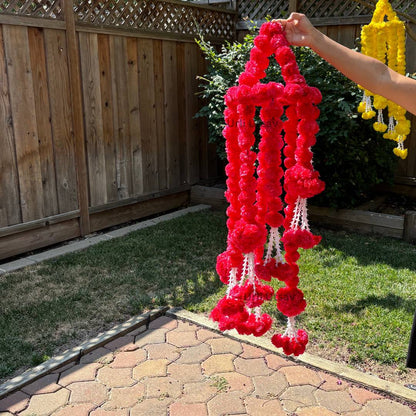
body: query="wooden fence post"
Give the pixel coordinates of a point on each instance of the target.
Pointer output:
(293, 6)
(77, 116)
(409, 231)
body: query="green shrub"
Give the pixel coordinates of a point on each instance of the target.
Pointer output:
(350, 156)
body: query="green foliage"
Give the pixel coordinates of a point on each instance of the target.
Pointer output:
(350, 156)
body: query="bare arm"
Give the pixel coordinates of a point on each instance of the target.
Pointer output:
(364, 70)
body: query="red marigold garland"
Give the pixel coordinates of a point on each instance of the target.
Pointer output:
(254, 194)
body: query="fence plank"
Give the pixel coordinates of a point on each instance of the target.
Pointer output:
(93, 118)
(10, 212)
(171, 112)
(61, 113)
(148, 115)
(160, 113)
(182, 119)
(43, 120)
(77, 107)
(192, 103)
(133, 111)
(24, 121)
(121, 116)
(104, 62)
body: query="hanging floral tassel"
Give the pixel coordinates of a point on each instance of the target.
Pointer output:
(254, 189)
(385, 41)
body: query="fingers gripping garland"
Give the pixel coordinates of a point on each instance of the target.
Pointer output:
(385, 41)
(254, 194)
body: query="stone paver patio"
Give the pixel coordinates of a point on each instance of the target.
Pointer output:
(177, 368)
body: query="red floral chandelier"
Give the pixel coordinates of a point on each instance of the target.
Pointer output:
(254, 180)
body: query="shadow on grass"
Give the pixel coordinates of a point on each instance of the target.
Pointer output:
(367, 250)
(389, 301)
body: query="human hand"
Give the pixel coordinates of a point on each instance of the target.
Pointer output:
(298, 29)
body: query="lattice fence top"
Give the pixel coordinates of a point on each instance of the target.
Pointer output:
(35, 8)
(165, 16)
(259, 9)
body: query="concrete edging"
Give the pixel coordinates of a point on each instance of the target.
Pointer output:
(387, 387)
(75, 354)
(92, 240)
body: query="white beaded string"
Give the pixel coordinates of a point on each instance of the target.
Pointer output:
(380, 118)
(300, 217)
(232, 281)
(274, 242)
(391, 126)
(290, 329)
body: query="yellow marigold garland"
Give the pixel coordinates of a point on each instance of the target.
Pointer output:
(385, 41)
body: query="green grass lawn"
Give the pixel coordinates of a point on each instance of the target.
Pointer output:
(361, 292)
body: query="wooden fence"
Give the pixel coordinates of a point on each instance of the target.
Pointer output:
(341, 20)
(97, 100)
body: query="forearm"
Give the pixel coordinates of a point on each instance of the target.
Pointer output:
(366, 71)
(363, 70)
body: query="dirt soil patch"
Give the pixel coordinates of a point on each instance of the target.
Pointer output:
(390, 203)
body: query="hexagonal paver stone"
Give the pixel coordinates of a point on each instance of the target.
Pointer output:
(128, 358)
(252, 352)
(46, 384)
(315, 411)
(103, 412)
(161, 387)
(120, 343)
(155, 336)
(81, 372)
(337, 401)
(298, 396)
(164, 322)
(269, 386)
(151, 407)
(362, 396)
(41, 404)
(252, 366)
(263, 407)
(150, 368)
(186, 326)
(225, 403)
(204, 334)
(100, 355)
(88, 392)
(75, 410)
(221, 363)
(115, 377)
(15, 402)
(365, 411)
(185, 373)
(125, 397)
(182, 338)
(199, 392)
(158, 351)
(237, 382)
(188, 409)
(139, 330)
(387, 407)
(195, 354)
(331, 383)
(275, 362)
(224, 345)
(298, 375)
